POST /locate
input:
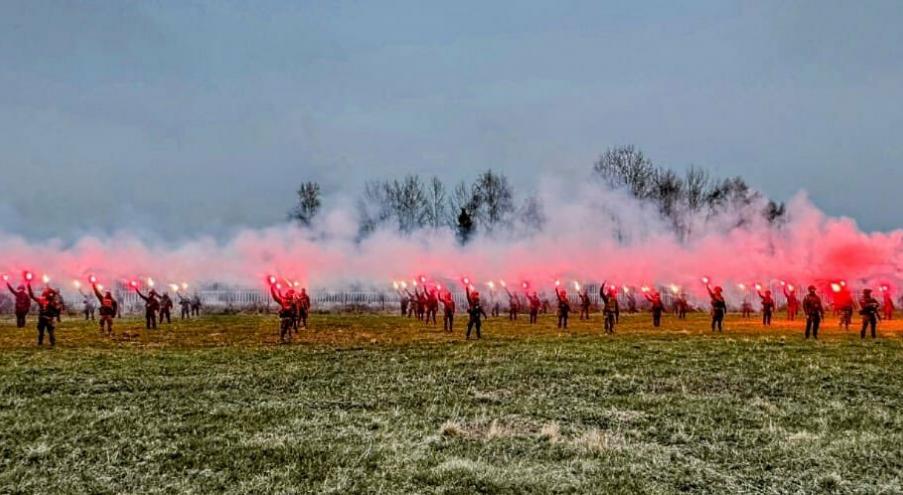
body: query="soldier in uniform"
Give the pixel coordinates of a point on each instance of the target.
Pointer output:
(448, 311)
(767, 306)
(303, 307)
(564, 307)
(746, 308)
(151, 306)
(658, 307)
(609, 308)
(513, 305)
(404, 300)
(196, 305)
(584, 304)
(109, 308)
(719, 307)
(185, 304)
(165, 308)
(868, 308)
(287, 309)
(49, 308)
(814, 312)
(793, 304)
(475, 312)
(535, 305)
(631, 303)
(23, 304)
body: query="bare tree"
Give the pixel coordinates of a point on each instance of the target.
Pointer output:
(308, 204)
(627, 166)
(532, 215)
(496, 200)
(696, 182)
(436, 208)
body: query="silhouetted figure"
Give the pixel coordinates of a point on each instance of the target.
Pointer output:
(767, 306)
(151, 306)
(535, 306)
(812, 306)
(196, 305)
(868, 309)
(681, 306)
(888, 305)
(185, 305)
(584, 304)
(475, 312)
(109, 308)
(165, 308)
(303, 304)
(746, 309)
(609, 308)
(513, 305)
(432, 305)
(719, 307)
(49, 308)
(564, 307)
(843, 303)
(22, 306)
(448, 312)
(287, 308)
(657, 306)
(793, 303)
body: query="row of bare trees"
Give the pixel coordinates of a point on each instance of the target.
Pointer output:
(681, 199)
(489, 205)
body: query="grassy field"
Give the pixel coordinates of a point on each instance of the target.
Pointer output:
(378, 404)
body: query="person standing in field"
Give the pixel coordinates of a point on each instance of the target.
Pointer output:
(303, 307)
(814, 312)
(513, 305)
(287, 311)
(767, 306)
(719, 307)
(793, 304)
(432, 305)
(49, 308)
(109, 308)
(151, 306)
(185, 305)
(564, 307)
(165, 308)
(609, 308)
(584, 304)
(475, 312)
(658, 307)
(843, 303)
(196, 305)
(535, 305)
(868, 309)
(448, 312)
(23, 304)
(888, 305)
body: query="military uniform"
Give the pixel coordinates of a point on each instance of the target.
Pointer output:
(22, 306)
(610, 309)
(475, 313)
(109, 308)
(814, 312)
(166, 308)
(869, 307)
(151, 306)
(48, 312)
(564, 308)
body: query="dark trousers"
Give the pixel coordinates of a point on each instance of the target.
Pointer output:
(869, 321)
(45, 324)
(563, 319)
(609, 321)
(474, 323)
(448, 321)
(431, 315)
(89, 314)
(656, 318)
(164, 314)
(718, 320)
(512, 314)
(285, 327)
(846, 318)
(302, 315)
(766, 317)
(150, 319)
(812, 324)
(186, 313)
(534, 315)
(584, 313)
(681, 314)
(20, 319)
(106, 323)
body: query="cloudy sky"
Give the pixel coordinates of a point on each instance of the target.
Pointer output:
(189, 116)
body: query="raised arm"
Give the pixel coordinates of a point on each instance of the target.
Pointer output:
(276, 295)
(11, 288)
(142, 296)
(31, 294)
(97, 293)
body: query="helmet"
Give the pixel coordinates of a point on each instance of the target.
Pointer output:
(866, 291)
(475, 293)
(811, 288)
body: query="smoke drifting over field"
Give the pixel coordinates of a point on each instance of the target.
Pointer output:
(593, 233)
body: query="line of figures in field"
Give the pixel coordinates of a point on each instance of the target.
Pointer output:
(98, 305)
(424, 304)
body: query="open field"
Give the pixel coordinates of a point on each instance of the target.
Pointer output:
(377, 404)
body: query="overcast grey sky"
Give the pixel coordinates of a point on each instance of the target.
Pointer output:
(186, 115)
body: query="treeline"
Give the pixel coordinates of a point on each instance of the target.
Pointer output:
(685, 200)
(489, 204)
